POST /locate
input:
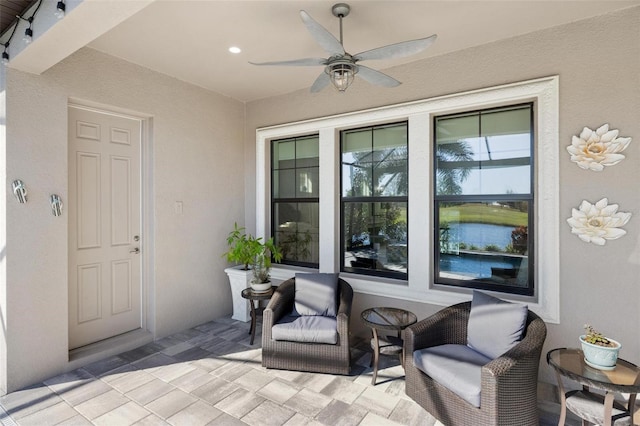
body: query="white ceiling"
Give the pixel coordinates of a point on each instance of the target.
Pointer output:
(189, 39)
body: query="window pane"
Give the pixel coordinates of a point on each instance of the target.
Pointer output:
(296, 232)
(284, 182)
(484, 241)
(284, 153)
(356, 179)
(391, 178)
(494, 160)
(375, 236)
(307, 152)
(308, 182)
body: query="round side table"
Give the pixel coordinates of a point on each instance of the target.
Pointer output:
(254, 297)
(387, 319)
(589, 406)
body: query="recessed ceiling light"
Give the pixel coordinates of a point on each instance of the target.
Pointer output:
(234, 49)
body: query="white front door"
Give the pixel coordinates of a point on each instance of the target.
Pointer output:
(104, 225)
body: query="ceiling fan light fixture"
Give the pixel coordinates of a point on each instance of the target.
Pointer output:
(341, 74)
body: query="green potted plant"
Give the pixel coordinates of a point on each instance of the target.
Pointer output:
(254, 257)
(599, 351)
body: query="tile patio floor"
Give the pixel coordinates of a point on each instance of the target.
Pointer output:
(210, 375)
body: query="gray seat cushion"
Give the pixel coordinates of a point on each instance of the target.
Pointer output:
(308, 329)
(457, 367)
(495, 325)
(316, 294)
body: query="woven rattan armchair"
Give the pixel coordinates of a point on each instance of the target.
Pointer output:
(508, 393)
(313, 357)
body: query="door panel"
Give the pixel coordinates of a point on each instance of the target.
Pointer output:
(104, 226)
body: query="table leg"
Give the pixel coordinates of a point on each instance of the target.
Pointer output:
(253, 321)
(563, 400)
(376, 354)
(632, 406)
(608, 408)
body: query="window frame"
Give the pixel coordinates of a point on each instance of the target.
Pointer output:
(481, 284)
(544, 92)
(296, 200)
(371, 199)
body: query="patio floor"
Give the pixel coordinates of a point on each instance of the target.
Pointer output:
(210, 375)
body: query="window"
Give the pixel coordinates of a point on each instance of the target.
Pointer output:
(374, 200)
(484, 196)
(341, 149)
(295, 202)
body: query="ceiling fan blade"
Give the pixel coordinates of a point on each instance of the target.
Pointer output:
(321, 35)
(397, 50)
(321, 82)
(376, 77)
(305, 62)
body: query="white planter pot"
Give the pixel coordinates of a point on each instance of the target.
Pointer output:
(239, 279)
(600, 357)
(261, 287)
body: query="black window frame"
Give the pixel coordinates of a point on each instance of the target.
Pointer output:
(294, 200)
(371, 199)
(483, 284)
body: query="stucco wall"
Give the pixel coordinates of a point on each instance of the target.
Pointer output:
(196, 143)
(598, 61)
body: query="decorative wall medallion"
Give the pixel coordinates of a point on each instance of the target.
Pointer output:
(596, 223)
(594, 149)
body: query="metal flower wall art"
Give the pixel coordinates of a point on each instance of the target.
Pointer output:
(595, 149)
(599, 222)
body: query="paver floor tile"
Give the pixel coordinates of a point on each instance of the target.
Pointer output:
(50, 416)
(239, 403)
(99, 368)
(169, 404)
(268, 414)
(150, 391)
(372, 419)
(215, 391)
(343, 390)
(377, 401)
(339, 413)
(77, 420)
(125, 415)
(85, 391)
(308, 403)
(278, 391)
(29, 400)
(197, 414)
(254, 379)
(128, 382)
(167, 373)
(192, 380)
(101, 404)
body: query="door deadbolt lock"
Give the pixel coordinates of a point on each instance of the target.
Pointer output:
(136, 238)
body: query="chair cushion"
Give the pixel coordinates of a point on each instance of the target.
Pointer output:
(308, 329)
(316, 294)
(495, 325)
(456, 367)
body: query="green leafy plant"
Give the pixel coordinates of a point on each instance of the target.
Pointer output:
(247, 250)
(596, 338)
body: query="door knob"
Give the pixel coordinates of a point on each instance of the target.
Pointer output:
(135, 250)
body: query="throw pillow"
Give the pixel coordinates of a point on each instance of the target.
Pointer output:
(495, 325)
(316, 294)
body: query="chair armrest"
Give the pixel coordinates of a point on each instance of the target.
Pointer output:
(448, 325)
(280, 304)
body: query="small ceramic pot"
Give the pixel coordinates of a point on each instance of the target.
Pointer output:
(600, 357)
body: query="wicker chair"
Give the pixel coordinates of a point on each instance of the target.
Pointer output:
(313, 357)
(509, 383)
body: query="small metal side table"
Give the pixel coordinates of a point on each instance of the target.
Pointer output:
(589, 406)
(388, 319)
(254, 298)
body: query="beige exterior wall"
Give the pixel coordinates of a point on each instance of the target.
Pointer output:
(199, 138)
(598, 61)
(195, 143)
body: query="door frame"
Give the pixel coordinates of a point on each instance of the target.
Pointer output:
(147, 205)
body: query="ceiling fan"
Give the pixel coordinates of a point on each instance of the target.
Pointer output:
(341, 67)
